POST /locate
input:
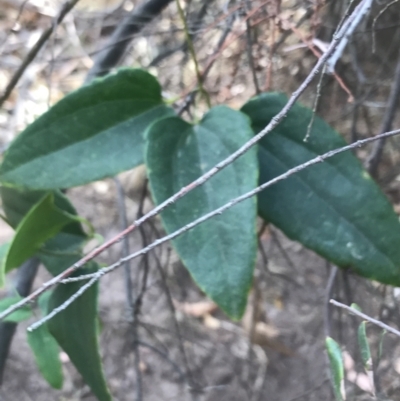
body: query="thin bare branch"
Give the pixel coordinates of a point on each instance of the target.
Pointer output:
(366, 317)
(65, 9)
(97, 275)
(392, 106)
(200, 181)
(140, 16)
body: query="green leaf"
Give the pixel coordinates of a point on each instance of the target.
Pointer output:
(21, 314)
(333, 208)
(75, 330)
(364, 346)
(366, 353)
(64, 249)
(3, 251)
(42, 222)
(46, 352)
(356, 307)
(57, 262)
(219, 254)
(45, 348)
(17, 203)
(92, 133)
(337, 368)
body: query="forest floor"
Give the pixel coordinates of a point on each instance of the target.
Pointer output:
(285, 362)
(277, 352)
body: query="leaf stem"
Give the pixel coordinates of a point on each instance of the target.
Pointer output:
(192, 51)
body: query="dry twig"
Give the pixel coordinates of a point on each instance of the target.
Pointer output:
(366, 317)
(94, 277)
(65, 9)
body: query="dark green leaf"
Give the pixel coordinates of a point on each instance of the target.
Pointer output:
(220, 253)
(336, 366)
(46, 352)
(43, 221)
(21, 314)
(75, 330)
(94, 132)
(333, 208)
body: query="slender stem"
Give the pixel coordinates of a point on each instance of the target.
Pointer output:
(392, 106)
(365, 317)
(65, 9)
(193, 53)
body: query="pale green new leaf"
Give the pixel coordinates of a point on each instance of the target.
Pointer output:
(43, 221)
(337, 368)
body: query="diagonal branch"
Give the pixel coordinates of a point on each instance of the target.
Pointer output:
(373, 160)
(65, 9)
(198, 182)
(365, 317)
(122, 36)
(94, 277)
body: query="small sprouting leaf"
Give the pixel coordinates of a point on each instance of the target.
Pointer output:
(356, 307)
(76, 331)
(380, 348)
(219, 253)
(365, 352)
(92, 133)
(364, 346)
(43, 221)
(336, 367)
(333, 208)
(20, 315)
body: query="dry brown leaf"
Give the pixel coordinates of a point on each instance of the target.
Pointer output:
(196, 309)
(211, 322)
(361, 380)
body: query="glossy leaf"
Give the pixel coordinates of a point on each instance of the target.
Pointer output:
(336, 367)
(92, 133)
(20, 315)
(333, 208)
(43, 221)
(75, 330)
(220, 253)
